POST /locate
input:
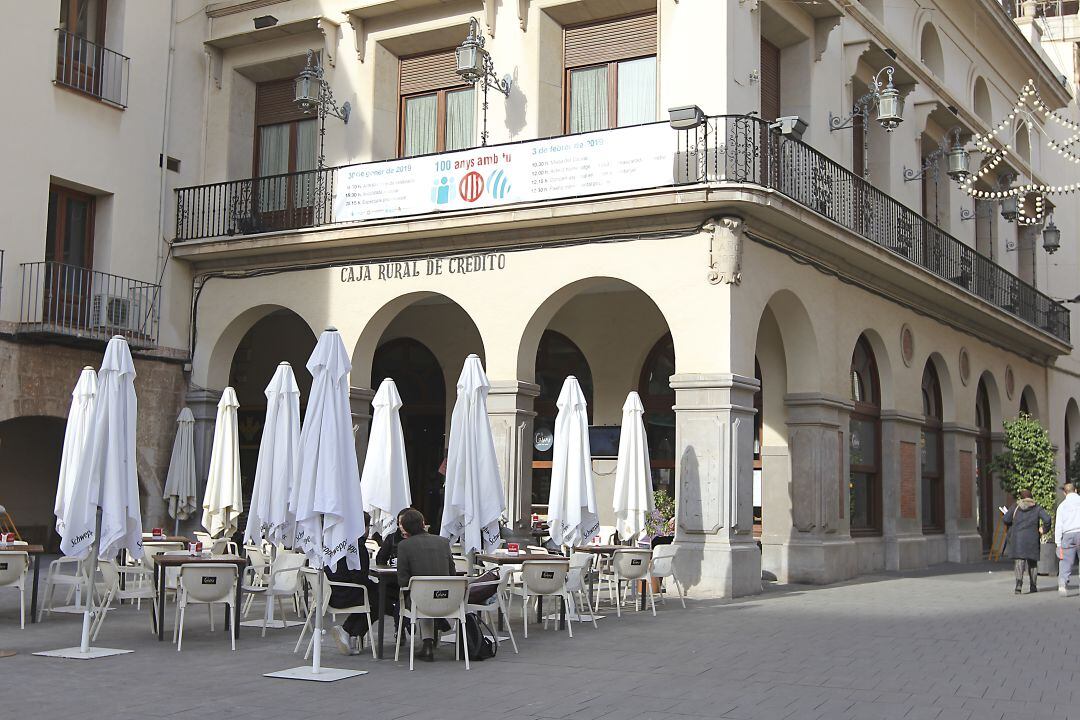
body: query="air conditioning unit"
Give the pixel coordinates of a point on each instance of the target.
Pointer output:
(111, 312)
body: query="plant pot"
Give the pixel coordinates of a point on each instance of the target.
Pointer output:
(1048, 560)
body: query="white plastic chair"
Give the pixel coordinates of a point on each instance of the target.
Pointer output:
(576, 584)
(284, 581)
(430, 598)
(207, 584)
(138, 590)
(13, 567)
(663, 566)
(64, 572)
(630, 566)
(502, 588)
(259, 570)
(310, 575)
(544, 578)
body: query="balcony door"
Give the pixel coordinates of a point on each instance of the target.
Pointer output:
(80, 44)
(438, 111)
(286, 157)
(69, 252)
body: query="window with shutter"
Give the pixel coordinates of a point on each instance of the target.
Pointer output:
(610, 73)
(285, 157)
(770, 81)
(437, 110)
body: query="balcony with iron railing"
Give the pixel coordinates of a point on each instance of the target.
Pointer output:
(60, 300)
(733, 149)
(92, 69)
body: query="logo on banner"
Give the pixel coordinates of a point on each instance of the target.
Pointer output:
(471, 186)
(440, 194)
(498, 184)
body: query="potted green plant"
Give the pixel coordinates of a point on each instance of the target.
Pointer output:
(1028, 463)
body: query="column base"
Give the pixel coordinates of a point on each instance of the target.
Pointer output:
(719, 569)
(905, 552)
(813, 561)
(965, 547)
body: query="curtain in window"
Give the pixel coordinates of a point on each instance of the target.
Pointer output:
(307, 150)
(460, 119)
(420, 124)
(637, 91)
(588, 99)
(273, 160)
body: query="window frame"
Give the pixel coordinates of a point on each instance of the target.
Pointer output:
(441, 116)
(612, 91)
(935, 481)
(59, 225)
(984, 452)
(868, 412)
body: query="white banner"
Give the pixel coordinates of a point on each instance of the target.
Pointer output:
(631, 158)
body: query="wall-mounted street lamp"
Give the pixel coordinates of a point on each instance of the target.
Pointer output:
(313, 95)
(1009, 206)
(474, 65)
(890, 106)
(1051, 236)
(952, 149)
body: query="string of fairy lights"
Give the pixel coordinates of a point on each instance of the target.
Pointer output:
(1029, 198)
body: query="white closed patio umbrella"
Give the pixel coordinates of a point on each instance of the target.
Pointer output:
(180, 482)
(385, 480)
(103, 508)
(277, 467)
(223, 500)
(572, 517)
(633, 500)
(326, 499)
(474, 500)
(77, 430)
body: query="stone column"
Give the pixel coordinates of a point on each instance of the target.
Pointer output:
(360, 406)
(203, 405)
(816, 546)
(901, 481)
(510, 411)
(962, 537)
(714, 436)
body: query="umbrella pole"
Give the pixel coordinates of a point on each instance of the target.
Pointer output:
(316, 655)
(84, 643)
(176, 525)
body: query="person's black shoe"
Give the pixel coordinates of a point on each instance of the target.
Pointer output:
(1033, 588)
(1019, 588)
(427, 652)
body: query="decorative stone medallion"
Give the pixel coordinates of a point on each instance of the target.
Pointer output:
(965, 366)
(1010, 382)
(907, 345)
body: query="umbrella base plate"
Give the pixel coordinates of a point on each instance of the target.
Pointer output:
(304, 672)
(574, 617)
(75, 653)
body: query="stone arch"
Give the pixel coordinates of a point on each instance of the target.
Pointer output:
(993, 397)
(981, 101)
(1022, 140)
(949, 410)
(1071, 430)
(368, 341)
(883, 361)
(930, 50)
(213, 370)
(1030, 401)
(542, 316)
(799, 340)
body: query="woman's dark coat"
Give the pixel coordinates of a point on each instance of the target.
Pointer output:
(1023, 523)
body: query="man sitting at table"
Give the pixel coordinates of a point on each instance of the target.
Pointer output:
(349, 634)
(422, 553)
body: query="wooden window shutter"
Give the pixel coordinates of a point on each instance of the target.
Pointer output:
(275, 102)
(770, 81)
(609, 41)
(427, 73)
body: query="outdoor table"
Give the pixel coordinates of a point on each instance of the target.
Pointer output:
(33, 551)
(610, 550)
(161, 562)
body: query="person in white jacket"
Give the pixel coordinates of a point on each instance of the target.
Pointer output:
(1067, 535)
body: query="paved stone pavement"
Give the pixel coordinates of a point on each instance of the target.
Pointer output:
(950, 644)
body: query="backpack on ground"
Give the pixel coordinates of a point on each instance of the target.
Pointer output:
(479, 638)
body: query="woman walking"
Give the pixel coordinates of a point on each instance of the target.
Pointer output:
(1023, 521)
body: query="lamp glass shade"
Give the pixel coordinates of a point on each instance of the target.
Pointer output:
(958, 163)
(470, 61)
(890, 108)
(1008, 208)
(307, 91)
(1051, 238)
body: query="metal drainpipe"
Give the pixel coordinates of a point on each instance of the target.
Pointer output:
(162, 178)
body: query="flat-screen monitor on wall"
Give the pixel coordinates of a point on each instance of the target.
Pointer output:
(604, 440)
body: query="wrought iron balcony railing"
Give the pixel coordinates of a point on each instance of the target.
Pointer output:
(71, 301)
(725, 149)
(90, 68)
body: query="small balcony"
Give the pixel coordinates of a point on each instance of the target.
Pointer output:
(91, 69)
(725, 151)
(66, 301)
